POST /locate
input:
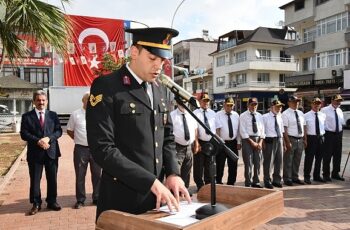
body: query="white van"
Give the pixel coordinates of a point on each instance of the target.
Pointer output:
(345, 107)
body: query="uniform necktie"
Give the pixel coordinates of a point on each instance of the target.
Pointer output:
(336, 121)
(277, 127)
(186, 131)
(41, 119)
(206, 121)
(255, 127)
(298, 122)
(144, 86)
(229, 122)
(317, 125)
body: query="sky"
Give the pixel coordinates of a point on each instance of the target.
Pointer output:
(217, 16)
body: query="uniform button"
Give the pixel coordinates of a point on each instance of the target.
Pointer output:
(157, 161)
(156, 144)
(156, 128)
(155, 112)
(163, 104)
(133, 111)
(114, 178)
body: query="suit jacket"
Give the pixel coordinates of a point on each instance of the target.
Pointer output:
(131, 141)
(32, 132)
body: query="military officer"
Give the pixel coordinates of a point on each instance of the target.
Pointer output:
(129, 130)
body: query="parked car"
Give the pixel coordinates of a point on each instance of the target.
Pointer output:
(345, 107)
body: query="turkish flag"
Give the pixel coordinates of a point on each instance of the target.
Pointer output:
(92, 38)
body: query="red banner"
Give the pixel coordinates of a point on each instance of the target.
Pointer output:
(92, 38)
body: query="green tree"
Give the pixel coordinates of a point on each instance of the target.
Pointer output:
(42, 21)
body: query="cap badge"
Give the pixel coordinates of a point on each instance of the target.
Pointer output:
(126, 80)
(95, 100)
(167, 39)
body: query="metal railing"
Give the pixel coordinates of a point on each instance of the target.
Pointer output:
(263, 59)
(257, 84)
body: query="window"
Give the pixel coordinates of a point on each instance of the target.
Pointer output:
(318, 2)
(298, 5)
(284, 57)
(241, 56)
(263, 54)
(241, 78)
(331, 58)
(7, 71)
(263, 77)
(220, 61)
(309, 34)
(38, 76)
(220, 81)
(332, 24)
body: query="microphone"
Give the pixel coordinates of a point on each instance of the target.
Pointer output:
(178, 90)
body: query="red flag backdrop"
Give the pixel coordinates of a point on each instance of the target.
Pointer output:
(92, 38)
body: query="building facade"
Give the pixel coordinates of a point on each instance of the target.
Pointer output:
(193, 55)
(252, 63)
(321, 49)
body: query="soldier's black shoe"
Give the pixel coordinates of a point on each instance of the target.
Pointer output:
(288, 183)
(297, 181)
(320, 179)
(338, 177)
(276, 184)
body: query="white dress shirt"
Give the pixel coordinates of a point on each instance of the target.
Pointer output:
(38, 113)
(77, 124)
(290, 121)
(221, 122)
(269, 124)
(140, 81)
(210, 114)
(330, 118)
(310, 119)
(246, 126)
(178, 127)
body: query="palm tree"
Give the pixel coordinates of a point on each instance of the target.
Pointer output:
(34, 18)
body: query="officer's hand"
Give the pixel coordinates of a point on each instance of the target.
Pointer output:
(163, 195)
(177, 186)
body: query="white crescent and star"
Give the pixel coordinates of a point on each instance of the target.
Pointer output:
(96, 32)
(94, 62)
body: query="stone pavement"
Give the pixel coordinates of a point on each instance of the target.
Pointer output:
(316, 206)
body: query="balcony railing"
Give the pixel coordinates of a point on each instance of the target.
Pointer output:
(256, 84)
(263, 59)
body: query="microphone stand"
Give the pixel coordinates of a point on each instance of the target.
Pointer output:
(210, 150)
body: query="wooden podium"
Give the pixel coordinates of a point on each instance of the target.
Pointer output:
(250, 208)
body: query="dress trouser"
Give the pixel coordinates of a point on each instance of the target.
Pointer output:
(201, 164)
(251, 157)
(82, 157)
(35, 173)
(232, 165)
(314, 149)
(273, 159)
(333, 148)
(292, 158)
(184, 159)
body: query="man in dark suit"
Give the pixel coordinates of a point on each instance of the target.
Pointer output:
(129, 130)
(41, 129)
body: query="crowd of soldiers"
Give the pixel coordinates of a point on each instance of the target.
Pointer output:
(275, 140)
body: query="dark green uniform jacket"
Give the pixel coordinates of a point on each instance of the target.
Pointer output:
(131, 141)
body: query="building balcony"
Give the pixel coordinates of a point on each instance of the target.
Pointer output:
(263, 63)
(270, 86)
(299, 48)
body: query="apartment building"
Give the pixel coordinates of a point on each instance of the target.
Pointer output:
(193, 55)
(252, 63)
(321, 49)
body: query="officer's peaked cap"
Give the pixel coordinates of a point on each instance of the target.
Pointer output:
(156, 40)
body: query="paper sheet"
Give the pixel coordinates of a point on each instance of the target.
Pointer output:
(185, 216)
